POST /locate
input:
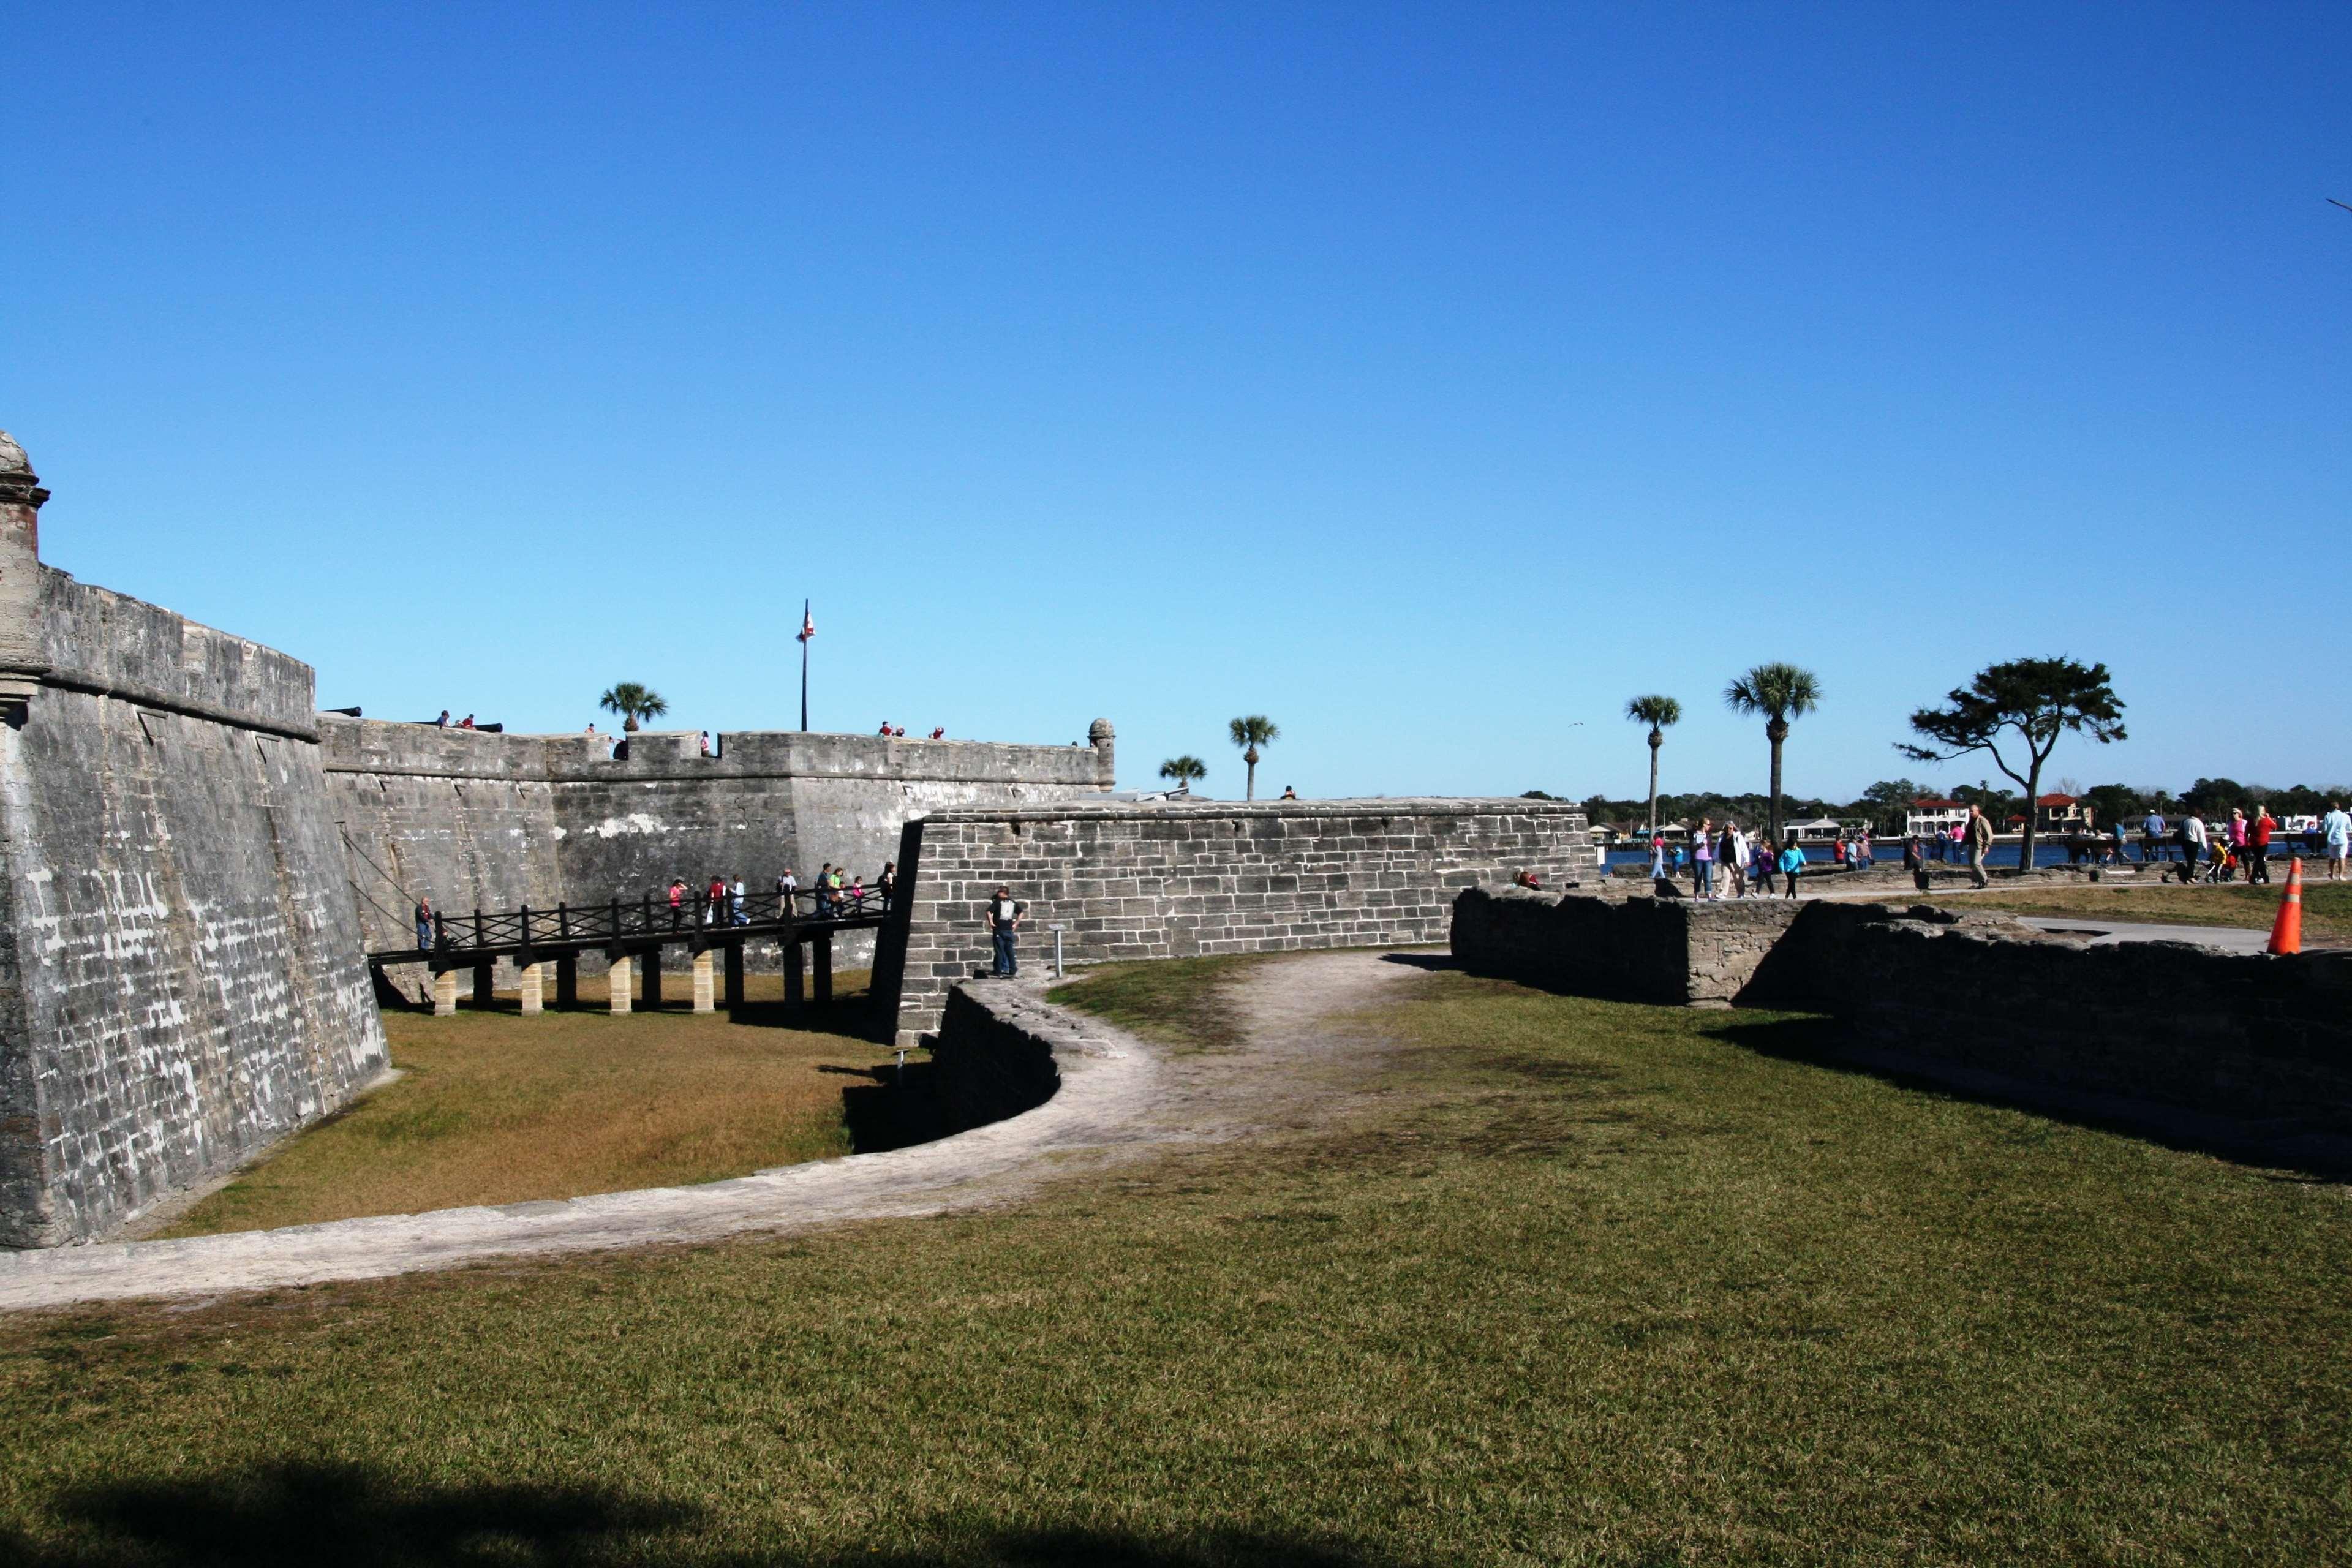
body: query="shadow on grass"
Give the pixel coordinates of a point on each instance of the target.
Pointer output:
(1431, 962)
(895, 1108)
(345, 1515)
(1836, 1046)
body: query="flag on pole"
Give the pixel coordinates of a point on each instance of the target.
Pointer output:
(808, 625)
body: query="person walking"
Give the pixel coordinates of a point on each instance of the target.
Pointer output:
(735, 915)
(2192, 845)
(1766, 859)
(424, 925)
(1735, 858)
(677, 902)
(2258, 844)
(786, 886)
(714, 901)
(886, 884)
(1792, 862)
(1702, 859)
(1979, 837)
(1004, 912)
(1657, 856)
(2151, 838)
(2236, 832)
(2336, 838)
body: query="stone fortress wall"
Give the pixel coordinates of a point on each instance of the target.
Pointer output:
(181, 979)
(1174, 880)
(473, 819)
(1963, 996)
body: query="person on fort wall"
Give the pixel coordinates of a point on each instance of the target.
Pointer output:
(1004, 912)
(1288, 793)
(1768, 862)
(1702, 859)
(424, 925)
(1979, 839)
(1731, 854)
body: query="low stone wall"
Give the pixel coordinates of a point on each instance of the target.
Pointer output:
(1172, 880)
(2251, 1038)
(995, 1054)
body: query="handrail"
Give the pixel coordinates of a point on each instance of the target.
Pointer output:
(614, 920)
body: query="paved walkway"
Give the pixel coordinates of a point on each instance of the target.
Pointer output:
(1300, 1067)
(2105, 932)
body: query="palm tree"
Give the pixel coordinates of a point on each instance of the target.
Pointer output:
(1657, 712)
(633, 702)
(1182, 770)
(1781, 692)
(1250, 733)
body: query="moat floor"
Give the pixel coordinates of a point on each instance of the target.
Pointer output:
(1496, 1276)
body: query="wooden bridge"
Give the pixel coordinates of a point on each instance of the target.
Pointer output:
(712, 928)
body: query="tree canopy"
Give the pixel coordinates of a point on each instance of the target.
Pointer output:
(2032, 702)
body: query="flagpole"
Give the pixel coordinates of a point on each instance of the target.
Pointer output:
(804, 642)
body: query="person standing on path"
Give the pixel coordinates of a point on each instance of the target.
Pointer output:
(1980, 832)
(424, 925)
(2151, 838)
(1702, 859)
(1004, 912)
(2336, 837)
(2192, 845)
(2237, 831)
(2258, 844)
(1792, 861)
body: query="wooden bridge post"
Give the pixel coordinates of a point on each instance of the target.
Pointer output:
(567, 982)
(734, 975)
(619, 977)
(792, 956)
(445, 994)
(534, 980)
(483, 974)
(651, 963)
(702, 987)
(821, 963)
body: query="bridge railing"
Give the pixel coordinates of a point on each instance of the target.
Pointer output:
(651, 915)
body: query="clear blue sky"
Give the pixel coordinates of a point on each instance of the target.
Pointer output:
(1432, 379)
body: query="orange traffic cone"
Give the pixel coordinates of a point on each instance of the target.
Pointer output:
(2286, 935)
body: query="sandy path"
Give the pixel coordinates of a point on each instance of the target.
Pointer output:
(1120, 1096)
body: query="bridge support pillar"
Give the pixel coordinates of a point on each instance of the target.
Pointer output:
(534, 982)
(445, 994)
(649, 968)
(482, 976)
(793, 960)
(820, 962)
(702, 985)
(619, 978)
(734, 975)
(567, 983)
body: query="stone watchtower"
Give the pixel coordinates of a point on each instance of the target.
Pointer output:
(1100, 735)
(21, 662)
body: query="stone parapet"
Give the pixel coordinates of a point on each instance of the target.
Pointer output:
(1165, 879)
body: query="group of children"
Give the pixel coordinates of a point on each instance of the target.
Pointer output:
(1746, 863)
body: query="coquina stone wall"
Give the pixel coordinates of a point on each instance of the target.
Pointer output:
(180, 981)
(2250, 1037)
(1168, 879)
(472, 819)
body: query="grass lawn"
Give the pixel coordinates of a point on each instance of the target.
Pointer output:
(1591, 1283)
(496, 1108)
(2326, 907)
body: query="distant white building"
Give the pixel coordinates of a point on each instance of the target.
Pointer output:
(1818, 830)
(1929, 816)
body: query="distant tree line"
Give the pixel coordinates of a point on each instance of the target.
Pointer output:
(1884, 803)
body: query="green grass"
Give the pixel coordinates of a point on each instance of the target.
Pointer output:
(495, 1108)
(1180, 1003)
(2326, 907)
(1589, 1283)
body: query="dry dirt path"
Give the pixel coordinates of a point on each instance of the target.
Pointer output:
(1121, 1096)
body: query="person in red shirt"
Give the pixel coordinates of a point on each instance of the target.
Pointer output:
(717, 900)
(2258, 844)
